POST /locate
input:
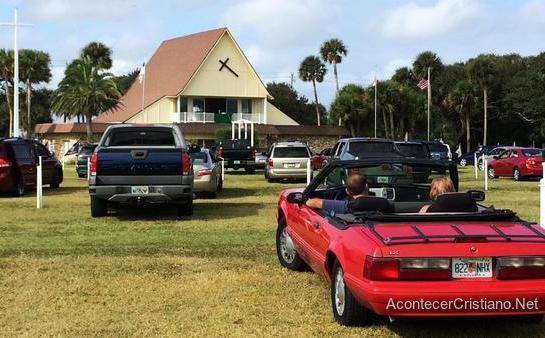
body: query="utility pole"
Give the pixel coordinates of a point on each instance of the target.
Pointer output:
(429, 100)
(15, 24)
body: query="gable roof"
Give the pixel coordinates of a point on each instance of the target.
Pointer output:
(167, 72)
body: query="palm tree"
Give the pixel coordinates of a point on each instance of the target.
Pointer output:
(332, 52)
(461, 99)
(482, 71)
(6, 76)
(100, 54)
(313, 69)
(424, 61)
(34, 69)
(85, 90)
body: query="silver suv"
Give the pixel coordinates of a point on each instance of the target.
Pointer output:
(287, 160)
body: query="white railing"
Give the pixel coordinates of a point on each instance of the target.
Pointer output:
(185, 117)
(256, 117)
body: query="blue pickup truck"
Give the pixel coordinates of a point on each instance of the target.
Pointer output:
(141, 164)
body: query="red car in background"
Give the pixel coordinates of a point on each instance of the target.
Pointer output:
(463, 259)
(518, 163)
(18, 161)
(319, 159)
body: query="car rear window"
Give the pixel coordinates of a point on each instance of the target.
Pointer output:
(366, 147)
(21, 151)
(284, 152)
(532, 152)
(412, 150)
(141, 137)
(198, 158)
(437, 147)
(87, 150)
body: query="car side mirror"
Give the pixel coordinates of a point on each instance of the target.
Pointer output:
(477, 195)
(296, 198)
(495, 157)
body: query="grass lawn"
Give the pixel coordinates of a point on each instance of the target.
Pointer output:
(144, 272)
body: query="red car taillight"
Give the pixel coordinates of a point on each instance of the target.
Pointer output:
(220, 153)
(4, 163)
(270, 162)
(524, 267)
(391, 269)
(93, 163)
(204, 172)
(532, 163)
(186, 163)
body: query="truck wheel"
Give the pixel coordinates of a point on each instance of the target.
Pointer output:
(186, 209)
(99, 207)
(56, 180)
(285, 249)
(346, 309)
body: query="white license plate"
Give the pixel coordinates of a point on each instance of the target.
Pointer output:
(472, 267)
(139, 190)
(236, 162)
(289, 165)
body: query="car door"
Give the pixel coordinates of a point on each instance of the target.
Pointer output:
(502, 164)
(24, 158)
(512, 162)
(48, 162)
(316, 235)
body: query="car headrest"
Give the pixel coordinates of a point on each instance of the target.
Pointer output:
(453, 202)
(370, 203)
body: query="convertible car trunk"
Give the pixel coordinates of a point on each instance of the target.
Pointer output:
(458, 239)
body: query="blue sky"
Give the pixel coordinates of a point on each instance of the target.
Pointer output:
(276, 35)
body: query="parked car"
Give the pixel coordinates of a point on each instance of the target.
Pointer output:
(364, 147)
(489, 154)
(237, 154)
(207, 172)
(261, 158)
(319, 159)
(388, 255)
(438, 150)
(84, 153)
(467, 158)
(413, 149)
(18, 161)
(287, 160)
(141, 164)
(518, 163)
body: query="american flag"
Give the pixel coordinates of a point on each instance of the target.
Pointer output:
(423, 84)
(375, 81)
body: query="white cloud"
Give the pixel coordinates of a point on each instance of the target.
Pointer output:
(533, 12)
(418, 21)
(75, 9)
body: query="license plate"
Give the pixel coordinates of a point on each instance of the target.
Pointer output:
(236, 162)
(139, 190)
(289, 165)
(472, 267)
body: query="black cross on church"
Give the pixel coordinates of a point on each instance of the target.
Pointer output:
(224, 65)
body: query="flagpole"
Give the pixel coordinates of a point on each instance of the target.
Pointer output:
(376, 107)
(429, 102)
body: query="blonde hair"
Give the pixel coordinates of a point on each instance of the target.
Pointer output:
(441, 185)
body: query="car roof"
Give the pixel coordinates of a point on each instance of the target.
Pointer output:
(409, 142)
(290, 144)
(369, 139)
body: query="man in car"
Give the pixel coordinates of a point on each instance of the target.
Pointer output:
(357, 190)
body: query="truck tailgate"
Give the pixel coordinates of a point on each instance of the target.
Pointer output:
(139, 166)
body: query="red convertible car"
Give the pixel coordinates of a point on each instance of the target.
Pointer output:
(463, 260)
(518, 163)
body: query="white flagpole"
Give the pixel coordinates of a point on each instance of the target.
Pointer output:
(429, 102)
(142, 79)
(376, 105)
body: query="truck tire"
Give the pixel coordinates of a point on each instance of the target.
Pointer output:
(99, 207)
(186, 209)
(57, 179)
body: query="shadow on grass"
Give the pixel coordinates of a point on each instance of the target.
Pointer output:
(205, 210)
(465, 327)
(64, 190)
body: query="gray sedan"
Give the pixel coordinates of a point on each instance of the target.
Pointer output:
(207, 173)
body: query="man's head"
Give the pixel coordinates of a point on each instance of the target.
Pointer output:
(357, 185)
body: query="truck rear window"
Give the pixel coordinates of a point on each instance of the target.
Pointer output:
(437, 147)
(362, 148)
(141, 137)
(285, 152)
(413, 150)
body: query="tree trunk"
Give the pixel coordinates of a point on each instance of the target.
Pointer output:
(485, 99)
(89, 127)
(385, 120)
(28, 98)
(402, 127)
(336, 83)
(316, 102)
(468, 134)
(10, 108)
(392, 128)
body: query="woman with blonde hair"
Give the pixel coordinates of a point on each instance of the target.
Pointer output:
(439, 186)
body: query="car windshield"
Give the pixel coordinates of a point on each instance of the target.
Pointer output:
(437, 147)
(412, 150)
(291, 152)
(141, 137)
(360, 148)
(198, 158)
(532, 152)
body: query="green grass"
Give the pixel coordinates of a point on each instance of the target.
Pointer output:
(144, 272)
